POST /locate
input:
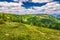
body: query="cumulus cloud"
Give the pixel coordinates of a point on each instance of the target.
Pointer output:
(15, 0)
(10, 7)
(41, 1)
(36, 1)
(16, 8)
(50, 8)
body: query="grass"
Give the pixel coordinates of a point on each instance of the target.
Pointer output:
(20, 31)
(14, 27)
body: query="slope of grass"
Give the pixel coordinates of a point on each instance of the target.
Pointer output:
(13, 28)
(19, 31)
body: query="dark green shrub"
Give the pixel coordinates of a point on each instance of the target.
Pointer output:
(2, 22)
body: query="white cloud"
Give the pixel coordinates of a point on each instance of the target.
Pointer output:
(11, 7)
(49, 8)
(41, 1)
(36, 1)
(15, 0)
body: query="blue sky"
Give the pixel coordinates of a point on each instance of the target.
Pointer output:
(29, 0)
(30, 6)
(57, 0)
(7, 0)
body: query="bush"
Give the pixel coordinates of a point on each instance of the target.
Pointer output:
(2, 22)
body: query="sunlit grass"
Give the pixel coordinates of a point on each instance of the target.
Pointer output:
(19, 31)
(13, 28)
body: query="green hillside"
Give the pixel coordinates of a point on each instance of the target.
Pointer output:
(29, 27)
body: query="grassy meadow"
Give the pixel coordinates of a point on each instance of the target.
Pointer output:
(29, 27)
